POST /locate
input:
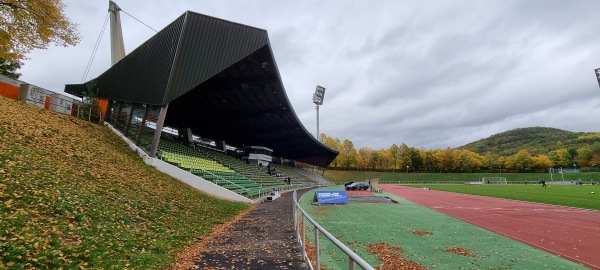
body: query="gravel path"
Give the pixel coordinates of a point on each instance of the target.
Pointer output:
(262, 239)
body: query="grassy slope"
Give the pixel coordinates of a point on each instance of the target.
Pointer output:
(73, 194)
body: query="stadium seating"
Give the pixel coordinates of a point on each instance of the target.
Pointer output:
(217, 167)
(293, 174)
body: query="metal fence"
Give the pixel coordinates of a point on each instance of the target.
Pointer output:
(299, 219)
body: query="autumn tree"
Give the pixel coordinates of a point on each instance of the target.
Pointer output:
(501, 161)
(335, 144)
(542, 162)
(394, 152)
(375, 159)
(405, 156)
(561, 157)
(521, 160)
(384, 159)
(415, 159)
(446, 159)
(322, 138)
(584, 154)
(364, 157)
(595, 160)
(490, 161)
(348, 154)
(9, 69)
(33, 24)
(428, 160)
(468, 160)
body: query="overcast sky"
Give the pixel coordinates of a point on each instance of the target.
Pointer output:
(431, 74)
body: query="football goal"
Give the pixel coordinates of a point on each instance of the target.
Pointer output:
(494, 180)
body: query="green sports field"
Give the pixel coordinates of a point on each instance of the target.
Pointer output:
(420, 235)
(586, 196)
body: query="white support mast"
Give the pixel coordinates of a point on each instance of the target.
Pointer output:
(117, 47)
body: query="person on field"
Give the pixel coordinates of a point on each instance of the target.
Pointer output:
(543, 183)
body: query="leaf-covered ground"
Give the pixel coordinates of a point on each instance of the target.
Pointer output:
(73, 195)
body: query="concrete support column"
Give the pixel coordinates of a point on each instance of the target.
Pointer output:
(221, 145)
(116, 119)
(190, 136)
(142, 125)
(159, 126)
(129, 118)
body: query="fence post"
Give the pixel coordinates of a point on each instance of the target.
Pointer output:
(317, 259)
(295, 212)
(303, 238)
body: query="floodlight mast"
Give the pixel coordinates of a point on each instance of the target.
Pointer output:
(318, 97)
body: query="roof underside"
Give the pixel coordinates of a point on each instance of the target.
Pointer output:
(220, 79)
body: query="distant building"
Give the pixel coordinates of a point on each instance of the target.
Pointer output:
(37, 96)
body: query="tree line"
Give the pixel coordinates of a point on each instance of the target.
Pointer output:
(403, 158)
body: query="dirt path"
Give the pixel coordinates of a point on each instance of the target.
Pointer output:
(571, 233)
(263, 239)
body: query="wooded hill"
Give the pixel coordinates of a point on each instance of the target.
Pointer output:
(536, 140)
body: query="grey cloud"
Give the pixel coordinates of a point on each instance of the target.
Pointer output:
(430, 74)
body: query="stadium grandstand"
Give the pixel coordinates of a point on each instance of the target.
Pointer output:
(201, 95)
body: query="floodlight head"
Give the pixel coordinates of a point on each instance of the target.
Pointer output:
(598, 75)
(319, 95)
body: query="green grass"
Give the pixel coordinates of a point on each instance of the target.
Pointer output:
(568, 195)
(360, 224)
(345, 176)
(73, 195)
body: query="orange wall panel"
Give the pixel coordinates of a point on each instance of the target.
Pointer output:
(103, 104)
(9, 91)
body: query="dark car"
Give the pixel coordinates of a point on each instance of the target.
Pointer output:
(358, 186)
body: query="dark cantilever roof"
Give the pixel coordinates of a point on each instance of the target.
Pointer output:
(219, 78)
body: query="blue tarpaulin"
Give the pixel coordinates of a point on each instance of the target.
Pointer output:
(330, 197)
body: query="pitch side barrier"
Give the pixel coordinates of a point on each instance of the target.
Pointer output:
(421, 182)
(449, 182)
(353, 258)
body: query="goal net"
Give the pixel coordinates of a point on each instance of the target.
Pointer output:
(494, 180)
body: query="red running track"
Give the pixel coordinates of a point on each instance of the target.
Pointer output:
(571, 233)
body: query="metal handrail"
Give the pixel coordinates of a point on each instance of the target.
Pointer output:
(353, 258)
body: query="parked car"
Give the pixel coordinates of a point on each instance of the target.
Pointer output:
(358, 186)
